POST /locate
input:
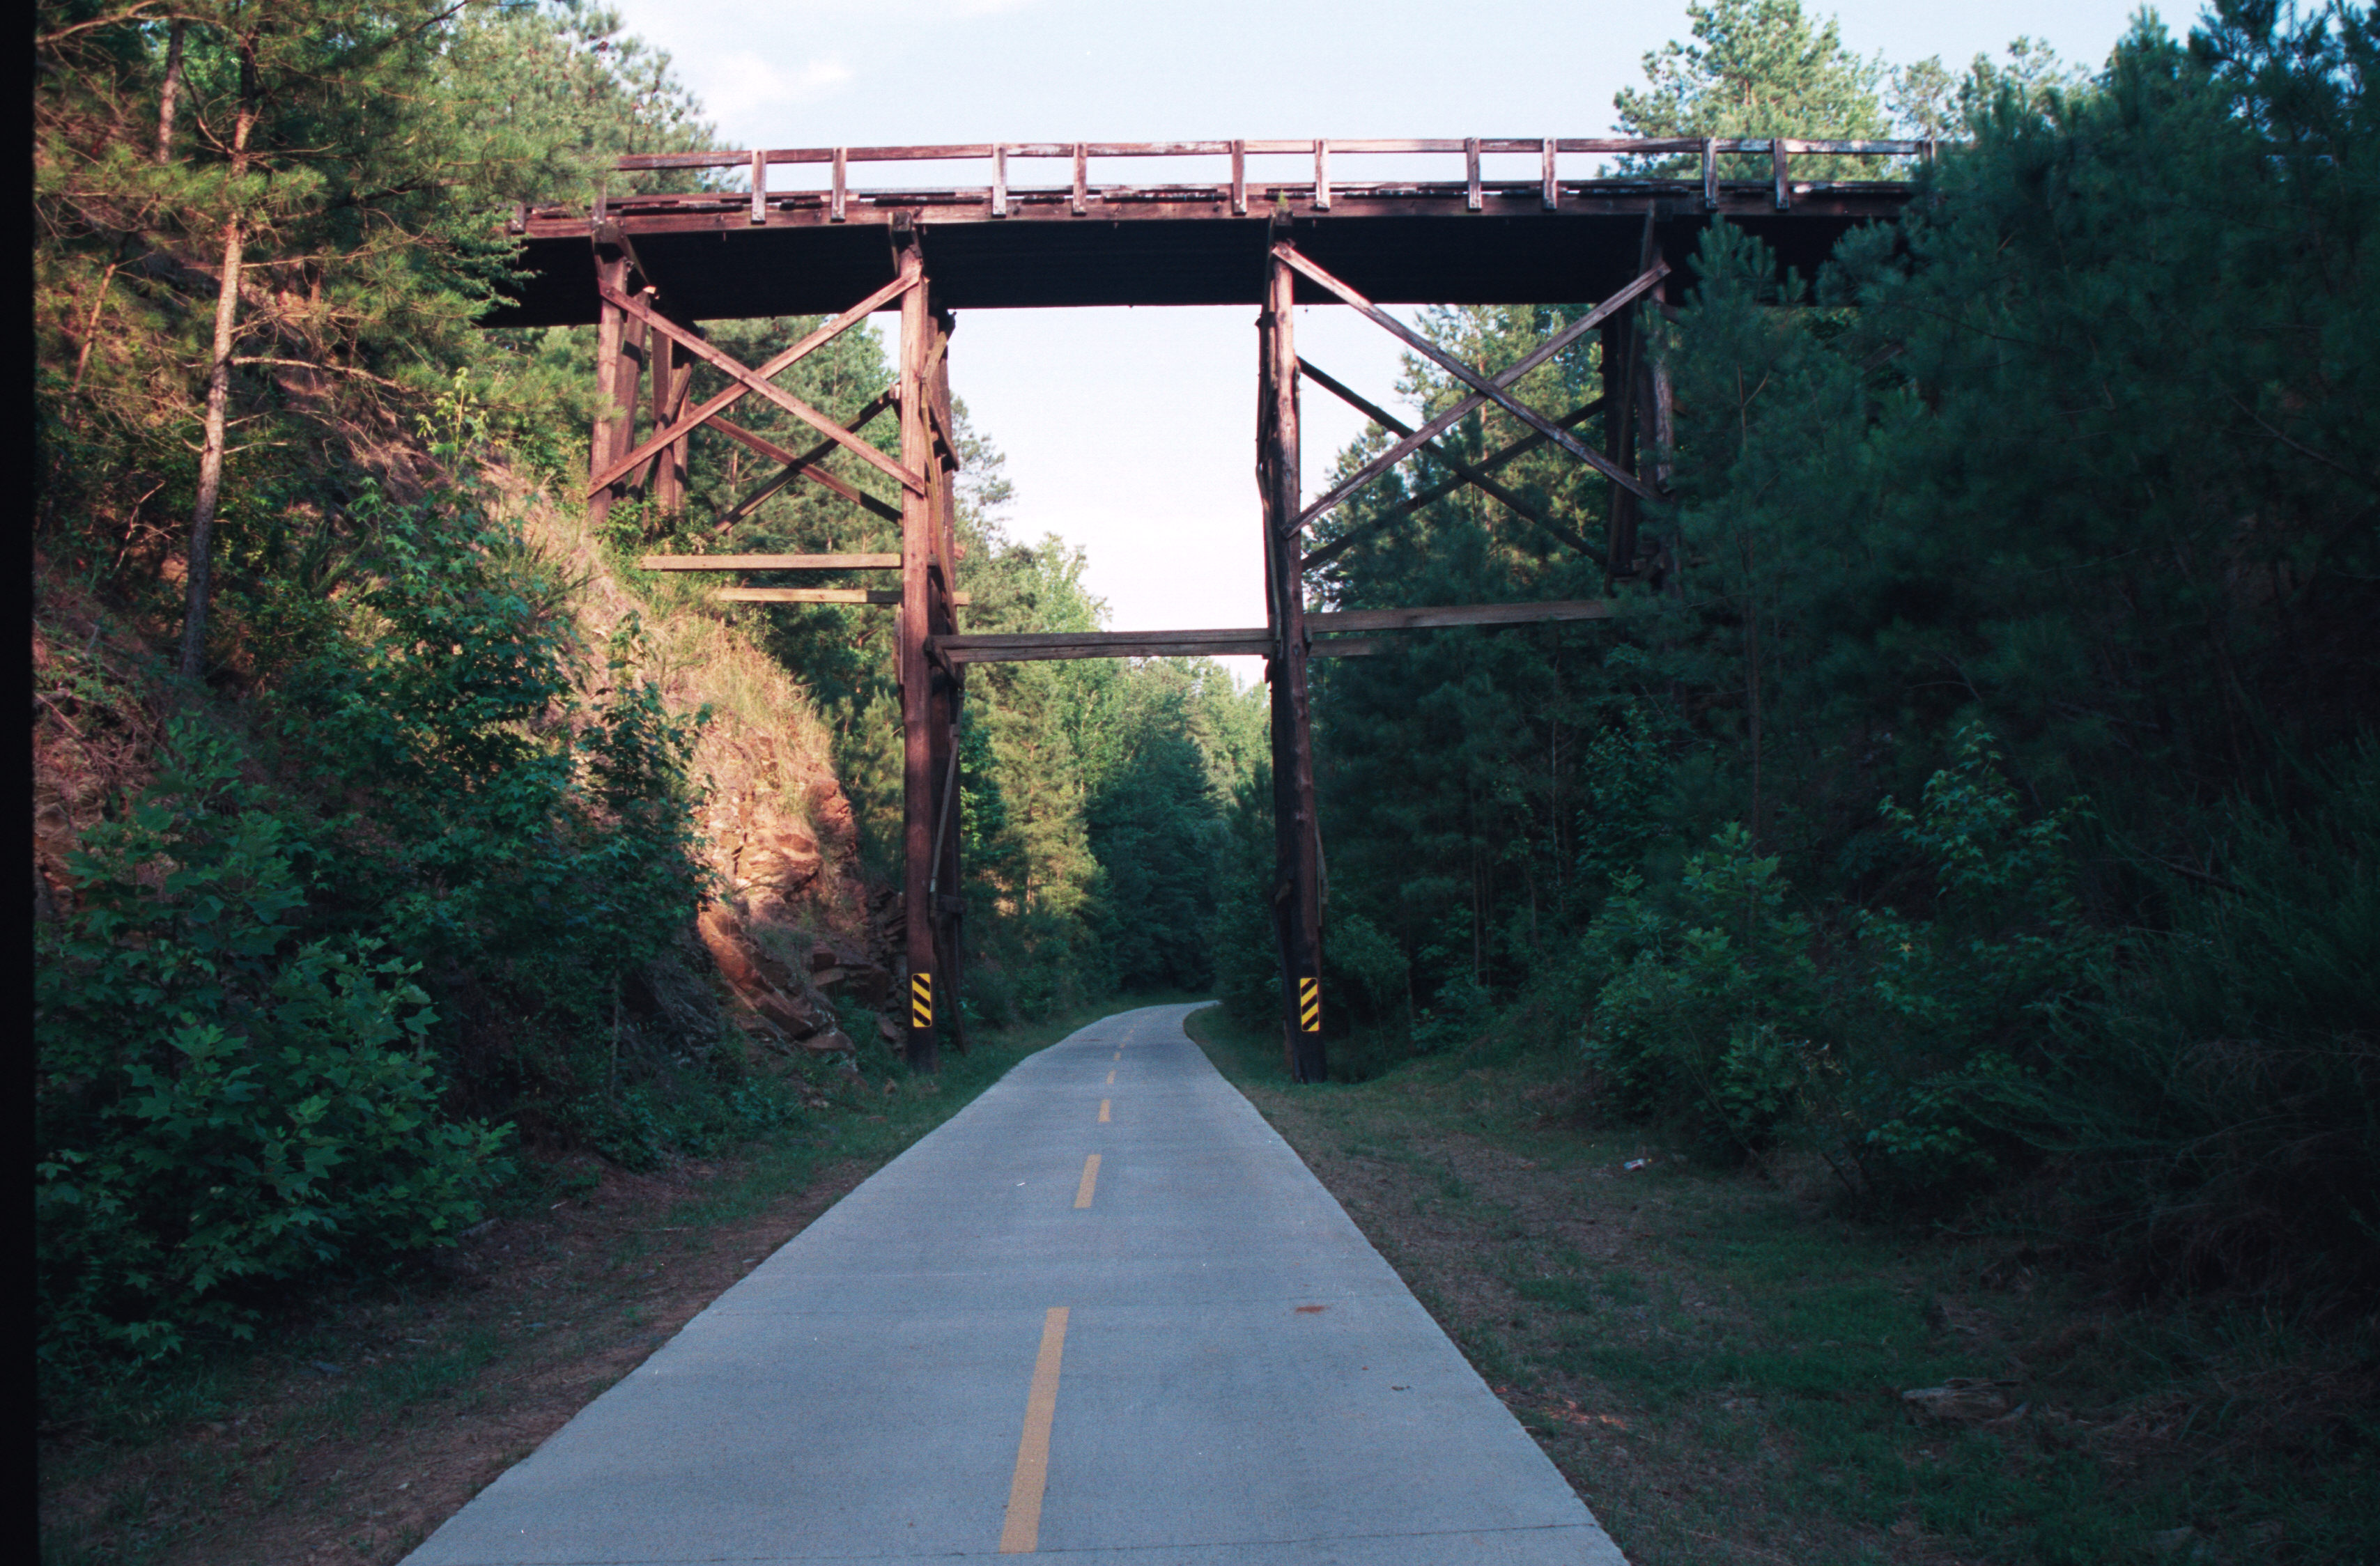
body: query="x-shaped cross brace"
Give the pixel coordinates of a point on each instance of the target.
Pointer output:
(1485, 388)
(748, 381)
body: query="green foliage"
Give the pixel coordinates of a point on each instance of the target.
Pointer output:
(2216, 1093)
(1755, 68)
(223, 1102)
(1707, 1018)
(505, 823)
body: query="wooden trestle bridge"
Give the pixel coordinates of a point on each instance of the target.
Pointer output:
(649, 269)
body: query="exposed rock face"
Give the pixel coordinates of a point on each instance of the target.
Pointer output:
(773, 999)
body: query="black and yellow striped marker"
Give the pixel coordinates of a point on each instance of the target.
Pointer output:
(921, 999)
(1309, 1006)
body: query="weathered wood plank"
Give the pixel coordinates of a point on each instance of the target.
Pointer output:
(882, 596)
(768, 563)
(1339, 628)
(961, 151)
(1045, 646)
(1439, 616)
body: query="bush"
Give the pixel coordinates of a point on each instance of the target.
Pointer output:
(1881, 1038)
(2219, 1101)
(221, 1103)
(1708, 1016)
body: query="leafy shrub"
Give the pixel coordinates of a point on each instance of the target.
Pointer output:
(220, 1102)
(1707, 1017)
(2218, 1100)
(1881, 1038)
(508, 828)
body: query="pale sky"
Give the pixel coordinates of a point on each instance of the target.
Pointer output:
(1132, 432)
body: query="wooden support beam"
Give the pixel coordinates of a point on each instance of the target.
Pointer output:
(760, 187)
(1335, 632)
(1297, 898)
(1040, 647)
(912, 671)
(1490, 387)
(1463, 469)
(817, 595)
(944, 901)
(1471, 195)
(673, 376)
(1446, 615)
(768, 563)
(752, 381)
(1507, 376)
(1439, 491)
(617, 370)
(1321, 176)
(1239, 179)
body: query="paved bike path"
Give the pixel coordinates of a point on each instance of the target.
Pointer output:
(1185, 1355)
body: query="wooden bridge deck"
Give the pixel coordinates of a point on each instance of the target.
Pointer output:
(722, 253)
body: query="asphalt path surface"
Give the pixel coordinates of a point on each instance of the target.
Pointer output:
(1104, 1314)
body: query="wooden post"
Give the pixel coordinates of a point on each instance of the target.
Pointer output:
(946, 892)
(673, 375)
(618, 362)
(1296, 893)
(917, 779)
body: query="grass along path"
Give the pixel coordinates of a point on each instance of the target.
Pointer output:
(1718, 1365)
(349, 1432)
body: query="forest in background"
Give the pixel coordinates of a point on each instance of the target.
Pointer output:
(1977, 796)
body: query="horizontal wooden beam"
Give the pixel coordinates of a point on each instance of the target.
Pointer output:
(768, 563)
(882, 596)
(1338, 631)
(1422, 619)
(1034, 647)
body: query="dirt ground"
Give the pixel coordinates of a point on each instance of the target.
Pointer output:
(376, 1422)
(1730, 1369)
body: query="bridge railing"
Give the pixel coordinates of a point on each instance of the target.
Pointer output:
(1002, 196)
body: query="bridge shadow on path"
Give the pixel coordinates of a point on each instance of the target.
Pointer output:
(1104, 1313)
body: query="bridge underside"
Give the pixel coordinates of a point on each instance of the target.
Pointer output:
(647, 269)
(1401, 245)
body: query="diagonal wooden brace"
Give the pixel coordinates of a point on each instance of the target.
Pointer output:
(1470, 474)
(1445, 487)
(1487, 388)
(748, 381)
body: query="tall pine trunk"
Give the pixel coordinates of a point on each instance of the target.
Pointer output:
(210, 455)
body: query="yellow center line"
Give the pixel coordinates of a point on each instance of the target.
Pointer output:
(1111, 1079)
(1119, 1054)
(1103, 1112)
(1090, 1179)
(1021, 1532)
